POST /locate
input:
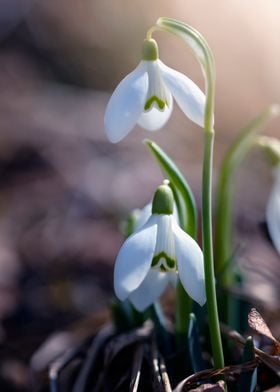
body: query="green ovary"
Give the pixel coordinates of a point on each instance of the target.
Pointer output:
(149, 103)
(164, 262)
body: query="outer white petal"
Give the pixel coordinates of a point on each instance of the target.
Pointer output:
(155, 119)
(273, 213)
(190, 264)
(142, 216)
(150, 289)
(186, 93)
(134, 259)
(126, 104)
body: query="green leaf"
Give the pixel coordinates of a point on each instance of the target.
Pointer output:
(125, 316)
(226, 186)
(182, 193)
(194, 347)
(248, 380)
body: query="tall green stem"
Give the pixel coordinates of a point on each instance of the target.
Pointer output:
(214, 326)
(205, 57)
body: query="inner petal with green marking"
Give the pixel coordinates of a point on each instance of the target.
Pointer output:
(152, 101)
(164, 255)
(163, 262)
(158, 96)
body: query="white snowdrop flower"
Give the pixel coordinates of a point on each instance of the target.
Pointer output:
(273, 211)
(145, 97)
(149, 258)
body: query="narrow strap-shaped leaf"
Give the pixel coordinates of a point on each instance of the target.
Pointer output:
(248, 380)
(183, 195)
(194, 347)
(225, 190)
(125, 316)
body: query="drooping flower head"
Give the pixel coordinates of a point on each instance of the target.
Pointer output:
(145, 97)
(151, 257)
(273, 211)
(271, 147)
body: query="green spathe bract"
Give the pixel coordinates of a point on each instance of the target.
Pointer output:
(163, 200)
(150, 50)
(271, 147)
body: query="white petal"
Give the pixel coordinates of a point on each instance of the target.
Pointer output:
(190, 264)
(273, 213)
(134, 259)
(150, 289)
(165, 240)
(142, 216)
(186, 93)
(155, 119)
(126, 104)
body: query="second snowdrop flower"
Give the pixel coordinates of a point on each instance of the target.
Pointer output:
(271, 147)
(145, 97)
(273, 211)
(156, 251)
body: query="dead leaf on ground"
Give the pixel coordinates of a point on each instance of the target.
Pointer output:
(257, 323)
(218, 387)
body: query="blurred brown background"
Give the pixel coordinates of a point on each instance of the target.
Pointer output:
(64, 187)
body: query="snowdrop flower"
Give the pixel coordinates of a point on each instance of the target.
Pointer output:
(273, 211)
(145, 97)
(271, 148)
(149, 258)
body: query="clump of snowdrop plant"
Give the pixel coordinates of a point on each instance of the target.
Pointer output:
(158, 251)
(162, 246)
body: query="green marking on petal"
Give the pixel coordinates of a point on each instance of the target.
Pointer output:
(169, 265)
(160, 103)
